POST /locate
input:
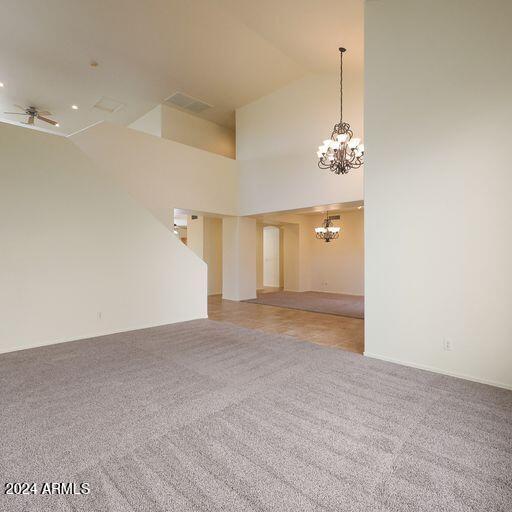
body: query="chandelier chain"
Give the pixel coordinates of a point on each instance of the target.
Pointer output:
(341, 86)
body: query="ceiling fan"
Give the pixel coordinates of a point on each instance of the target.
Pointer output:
(34, 113)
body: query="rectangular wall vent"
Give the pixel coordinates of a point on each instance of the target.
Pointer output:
(186, 102)
(108, 105)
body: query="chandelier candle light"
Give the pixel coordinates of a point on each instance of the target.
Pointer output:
(327, 231)
(342, 152)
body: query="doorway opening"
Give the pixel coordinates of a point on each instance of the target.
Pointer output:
(271, 257)
(321, 282)
(202, 233)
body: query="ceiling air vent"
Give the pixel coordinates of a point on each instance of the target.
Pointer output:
(187, 102)
(108, 105)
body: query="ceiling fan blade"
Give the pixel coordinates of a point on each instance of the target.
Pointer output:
(20, 107)
(16, 113)
(30, 120)
(46, 120)
(44, 113)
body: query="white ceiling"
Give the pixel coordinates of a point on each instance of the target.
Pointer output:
(224, 52)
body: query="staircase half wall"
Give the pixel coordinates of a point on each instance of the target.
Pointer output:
(79, 257)
(162, 174)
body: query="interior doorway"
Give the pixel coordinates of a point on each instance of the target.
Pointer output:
(271, 257)
(202, 233)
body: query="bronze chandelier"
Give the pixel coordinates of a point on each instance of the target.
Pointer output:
(342, 152)
(327, 231)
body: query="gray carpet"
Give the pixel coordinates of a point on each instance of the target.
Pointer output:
(209, 416)
(318, 302)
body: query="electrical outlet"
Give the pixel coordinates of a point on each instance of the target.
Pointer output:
(447, 345)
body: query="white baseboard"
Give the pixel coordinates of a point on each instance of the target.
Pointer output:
(93, 334)
(438, 370)
(337, 291)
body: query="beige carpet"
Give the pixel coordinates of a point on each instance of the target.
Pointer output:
(319, 302)
(208, 416)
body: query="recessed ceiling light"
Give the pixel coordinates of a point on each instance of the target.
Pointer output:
(57, 125)
(1, 84)
(74, 107)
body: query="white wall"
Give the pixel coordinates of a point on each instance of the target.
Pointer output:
(338, 266)
(271, 256)
(291, 255)
(438, 212)
(278, 137)
(259, 255)
(213, 253)
(238, 258)
(173, 124)
(281, 257)
(204, 238)
(195, 235)
(162, 174)
(199, 133)
(150, 123)
(78, 256)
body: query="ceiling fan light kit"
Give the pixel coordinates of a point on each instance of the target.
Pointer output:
(34, 113)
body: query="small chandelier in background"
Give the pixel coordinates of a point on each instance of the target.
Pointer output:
(327, 231)
(342, 152)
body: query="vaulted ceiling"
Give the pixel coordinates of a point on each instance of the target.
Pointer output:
(224, 52)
